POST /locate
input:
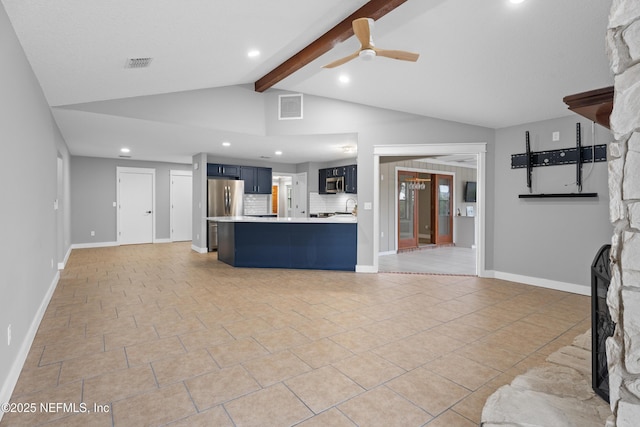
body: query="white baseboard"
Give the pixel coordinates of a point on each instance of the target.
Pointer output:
(163, 241)
(387, 253)
(66, 258)
(94, 245)
(199, 250)
(366, 269)
(542, 283)
(21, 357)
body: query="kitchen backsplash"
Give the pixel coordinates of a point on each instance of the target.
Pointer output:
(319, 203)
(257, 204)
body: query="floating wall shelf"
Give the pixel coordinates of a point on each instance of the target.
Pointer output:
(556, 195)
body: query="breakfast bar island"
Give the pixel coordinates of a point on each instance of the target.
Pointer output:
(300, 243)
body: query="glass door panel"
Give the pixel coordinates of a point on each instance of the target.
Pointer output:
(444, 207)
(407, 210)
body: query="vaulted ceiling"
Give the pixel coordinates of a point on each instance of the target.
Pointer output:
(483, 62)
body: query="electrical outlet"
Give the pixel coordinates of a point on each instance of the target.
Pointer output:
(555, 136)
(93, 233)
(51, 262)
(9, 335)
(382, 234)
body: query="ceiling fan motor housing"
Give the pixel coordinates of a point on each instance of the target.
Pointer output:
(367, 54)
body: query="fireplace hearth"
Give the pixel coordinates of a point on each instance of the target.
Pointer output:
(602, 327)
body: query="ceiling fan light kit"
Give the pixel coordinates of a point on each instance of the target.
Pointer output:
(362, 29)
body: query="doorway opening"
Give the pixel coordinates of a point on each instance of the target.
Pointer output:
(450, 216)
(289, 195)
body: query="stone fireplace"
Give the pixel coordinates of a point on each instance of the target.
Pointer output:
(623, 297)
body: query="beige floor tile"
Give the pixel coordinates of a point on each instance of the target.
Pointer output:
(59, 335)
(382, 407)
(327, 337)
(118, 385)
(281, 339)
(71, 349)
(358, 340)
(490, 355)
(205, 338)
(182, 367)
(139, 354)
(273, 406)
(120, 339)
(323, 388)
(235, 352)
(37, 379)
(331, 417)
(182, 326)
(92, 366)
(451, 419)
(321, 353)
(154, 408)
(215, 416)
(70, 393)
(471, 406)
(101, 418)
(462, 371)
(276, 367)
(247, 328)
(428, 390)
(405, 354)
(221, 386)
(318, 329)
(368, 369)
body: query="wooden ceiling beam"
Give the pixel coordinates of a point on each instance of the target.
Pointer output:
(373, 9)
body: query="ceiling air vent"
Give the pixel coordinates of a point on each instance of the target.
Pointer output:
(138, 62)
(290, 107)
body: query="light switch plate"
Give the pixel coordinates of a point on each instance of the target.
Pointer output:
(367, 206)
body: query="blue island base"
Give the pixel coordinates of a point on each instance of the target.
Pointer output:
(317, 246)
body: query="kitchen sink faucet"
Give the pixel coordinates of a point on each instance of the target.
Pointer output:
(346, 204)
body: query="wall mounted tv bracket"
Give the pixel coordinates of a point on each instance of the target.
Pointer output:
(564, 156)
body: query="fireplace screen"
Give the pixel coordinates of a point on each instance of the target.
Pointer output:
(602, 326)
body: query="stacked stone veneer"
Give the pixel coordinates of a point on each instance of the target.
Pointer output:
(623, 349)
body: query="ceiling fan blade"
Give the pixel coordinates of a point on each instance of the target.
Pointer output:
(362, 31)
(342, 60)
(397, 54)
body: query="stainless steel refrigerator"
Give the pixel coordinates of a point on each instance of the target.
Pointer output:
(224, 198)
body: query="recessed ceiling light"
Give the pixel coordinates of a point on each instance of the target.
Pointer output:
(344, 78)
(125, 150)
(516, 1)
(278, 153)
(226, 144)
(253, 53)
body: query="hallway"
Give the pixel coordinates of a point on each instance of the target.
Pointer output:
(433, 260)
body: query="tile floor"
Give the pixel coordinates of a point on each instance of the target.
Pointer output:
(430, 259)
(160, 335)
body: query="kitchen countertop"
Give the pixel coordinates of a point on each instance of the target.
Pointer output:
(336, 219)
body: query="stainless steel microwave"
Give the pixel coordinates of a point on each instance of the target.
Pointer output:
(335, 184)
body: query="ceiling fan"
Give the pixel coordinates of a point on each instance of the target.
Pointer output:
(362, 29)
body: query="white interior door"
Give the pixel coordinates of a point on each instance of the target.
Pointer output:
(299, 199)
(181, 196)
(136, 216)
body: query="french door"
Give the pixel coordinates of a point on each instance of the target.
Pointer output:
(442, 209)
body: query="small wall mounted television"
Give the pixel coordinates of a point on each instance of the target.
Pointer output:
(470, 192)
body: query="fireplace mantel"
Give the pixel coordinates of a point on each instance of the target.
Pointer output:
(596, 105)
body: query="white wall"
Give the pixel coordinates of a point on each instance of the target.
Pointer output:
(32, 244)
(554, 239)
(93, 191)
